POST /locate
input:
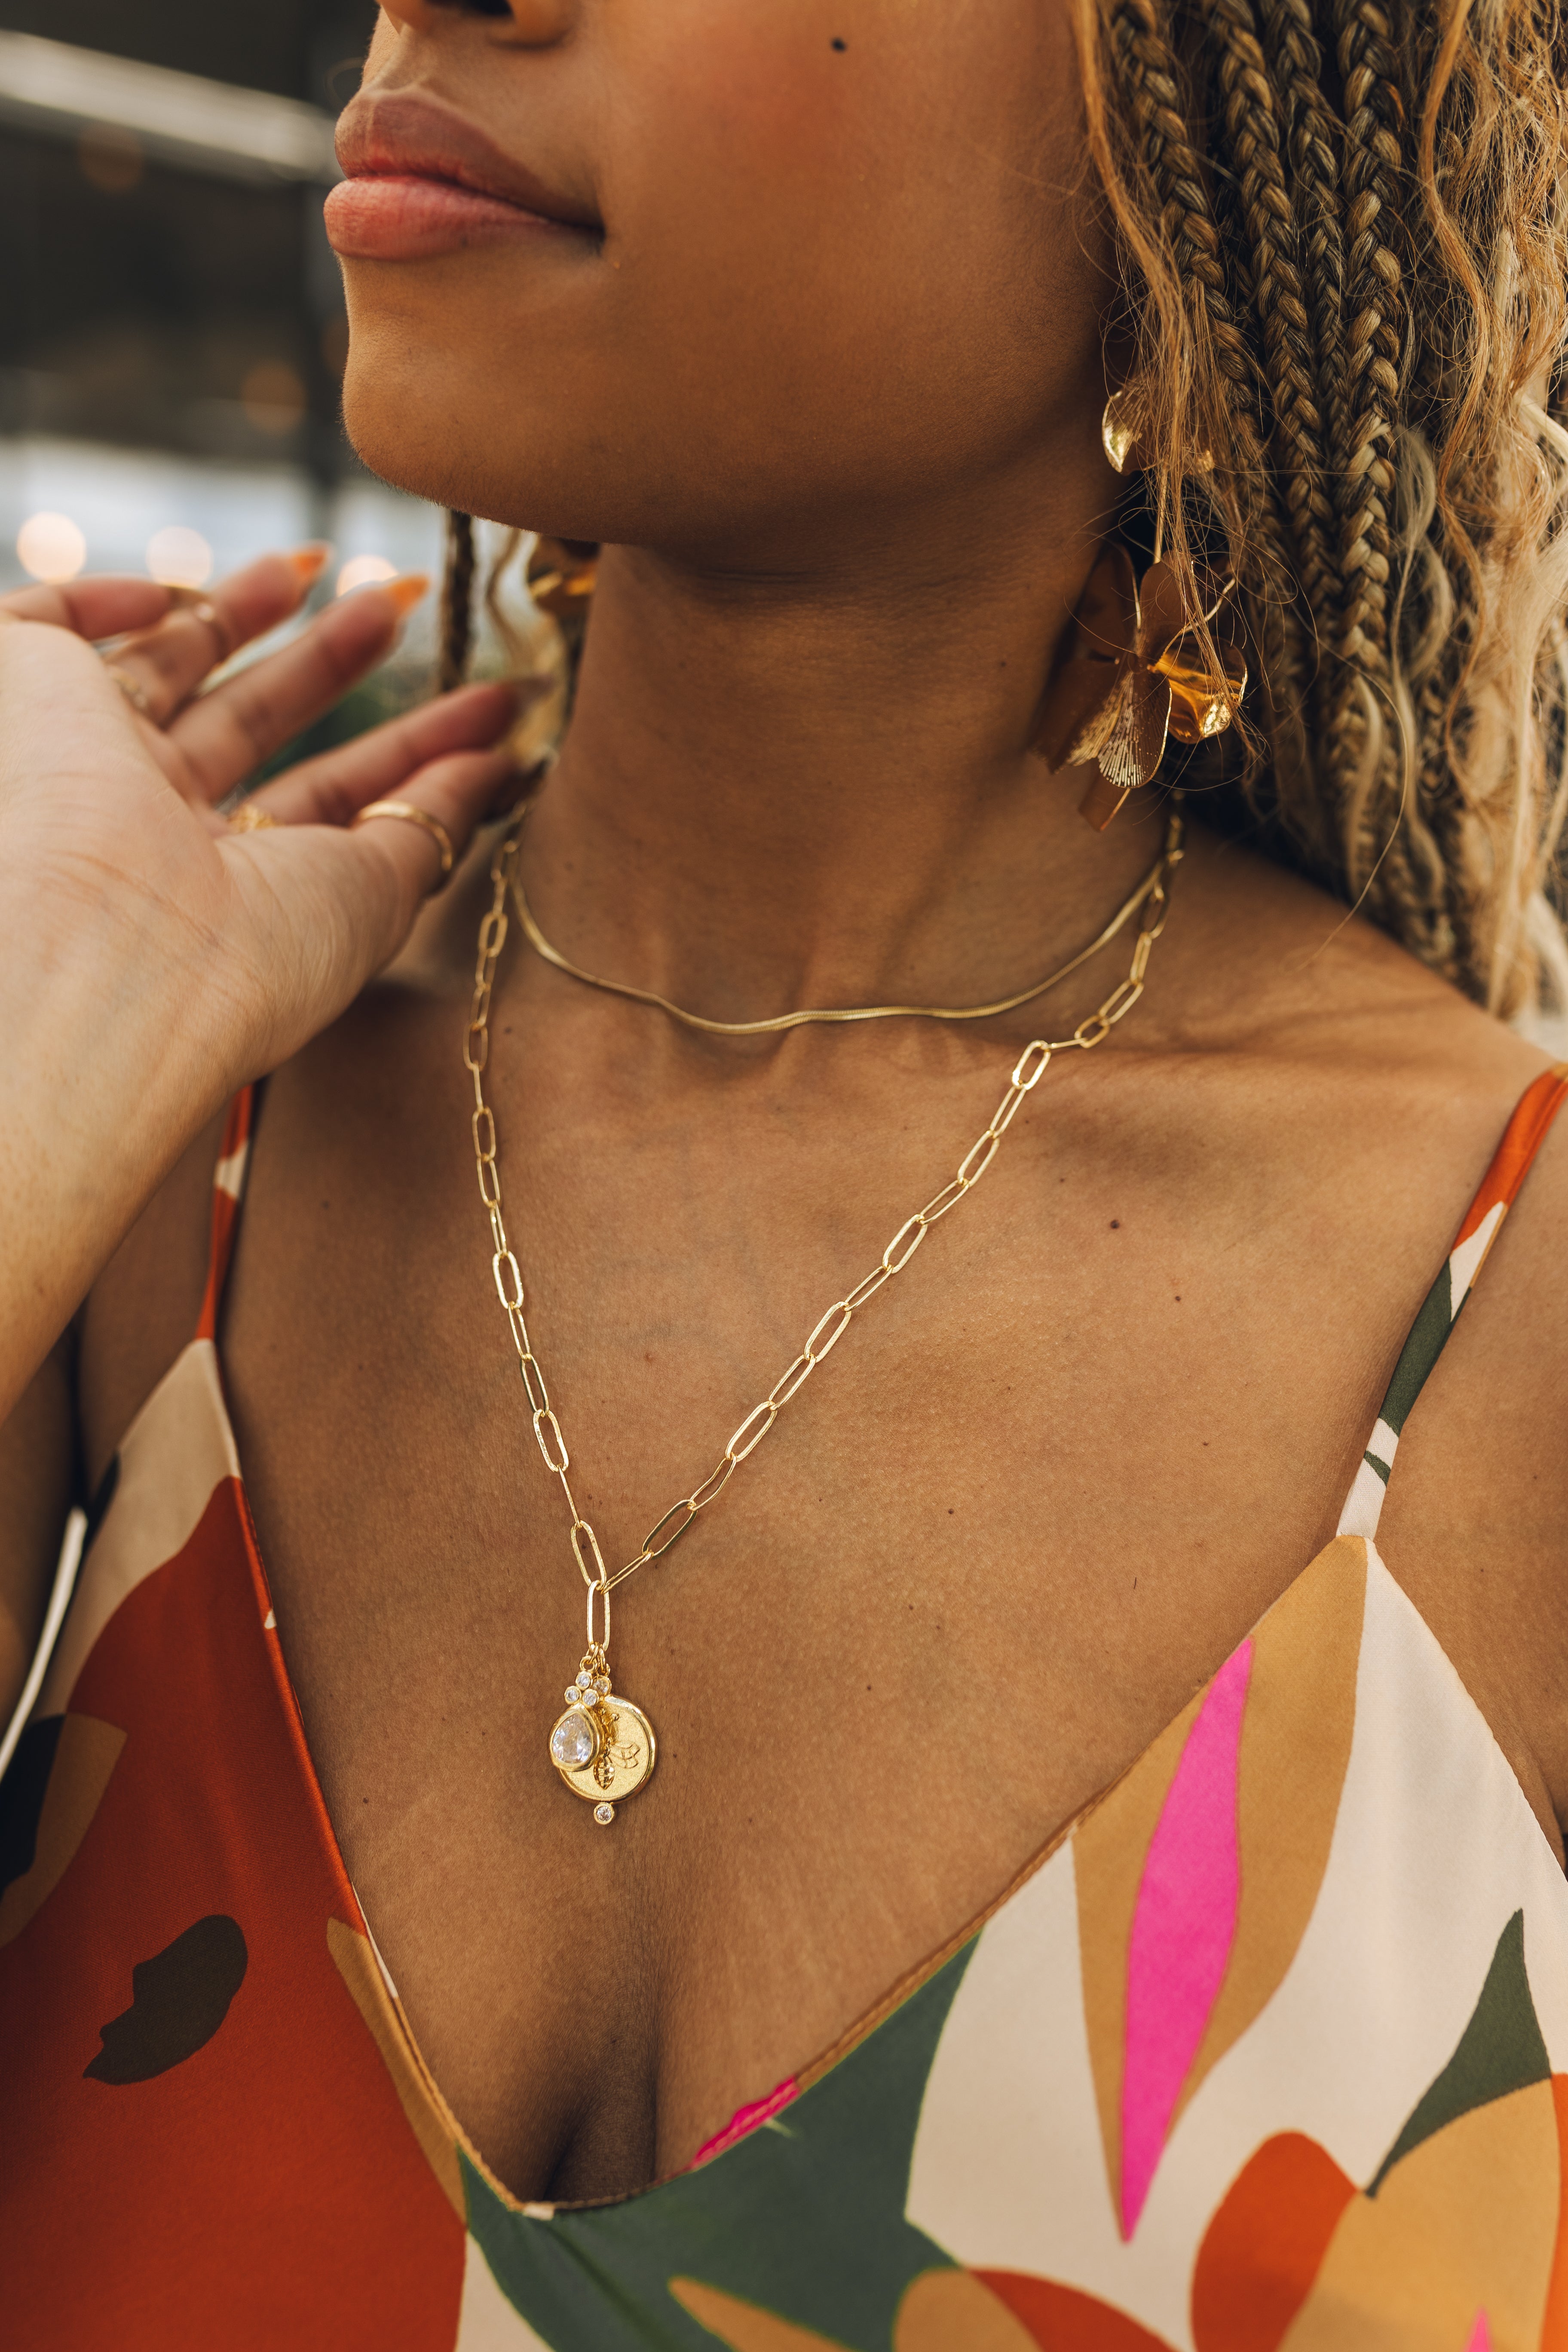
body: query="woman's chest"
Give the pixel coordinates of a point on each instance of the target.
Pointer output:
(988, 1549)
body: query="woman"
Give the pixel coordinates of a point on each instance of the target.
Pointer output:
(1085, 1896)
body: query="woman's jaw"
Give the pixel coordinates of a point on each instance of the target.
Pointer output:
(715, 274)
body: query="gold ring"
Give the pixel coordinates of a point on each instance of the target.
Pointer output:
(206, 612)
(135, 693)
(407, 810)
(249, 818)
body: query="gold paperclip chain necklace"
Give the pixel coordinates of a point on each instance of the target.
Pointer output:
(603, 1743)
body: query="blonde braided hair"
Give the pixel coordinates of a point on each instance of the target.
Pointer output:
(1349, 294)
(457, 624)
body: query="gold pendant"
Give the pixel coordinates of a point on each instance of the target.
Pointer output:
(603, 1747)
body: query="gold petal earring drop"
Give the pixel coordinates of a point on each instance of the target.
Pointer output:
(560, 576)
(1117, 431)
(1136, 670)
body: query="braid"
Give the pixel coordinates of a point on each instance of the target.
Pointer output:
(1296, 61)
(1311, 142)
(1389, 469)
(458, 601)
(1150, 75)
(1152, 82)
(1365, 484)
(1375, 309)
(1252, 121)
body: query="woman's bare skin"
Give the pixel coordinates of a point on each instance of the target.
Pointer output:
(1073, 1454)
(1058, 1468)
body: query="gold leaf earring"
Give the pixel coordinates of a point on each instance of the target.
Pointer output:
(1117, 431)
(560, 577)
(1136, 671)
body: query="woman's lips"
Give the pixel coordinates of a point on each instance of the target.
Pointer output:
(404, 216)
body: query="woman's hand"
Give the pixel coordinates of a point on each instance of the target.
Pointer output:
(110, 774)
(151, 958)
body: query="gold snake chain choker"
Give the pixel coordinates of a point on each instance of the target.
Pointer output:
(552, 955)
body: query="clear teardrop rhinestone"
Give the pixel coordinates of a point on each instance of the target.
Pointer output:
(572, 1743)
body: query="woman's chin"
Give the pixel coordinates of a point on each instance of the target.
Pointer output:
(421, 441)
(554, 443)
(412, 433)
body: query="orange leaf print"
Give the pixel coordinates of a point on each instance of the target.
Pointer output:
(1064, 2319)
(1265, 2246)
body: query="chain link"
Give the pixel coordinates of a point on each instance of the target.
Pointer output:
(1027, 1071)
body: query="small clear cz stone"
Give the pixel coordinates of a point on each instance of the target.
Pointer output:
(604, 1814)
(571, 1741)
(583, 1679)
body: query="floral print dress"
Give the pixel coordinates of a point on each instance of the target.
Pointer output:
(1268, 2049)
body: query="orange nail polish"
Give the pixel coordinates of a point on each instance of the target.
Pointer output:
(310, 561)
(406, 591)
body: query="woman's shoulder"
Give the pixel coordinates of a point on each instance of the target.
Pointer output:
(1420, 1143)
(1362, 1098)
(1272, 967)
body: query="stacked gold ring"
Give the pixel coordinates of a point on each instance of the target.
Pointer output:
(406, 812)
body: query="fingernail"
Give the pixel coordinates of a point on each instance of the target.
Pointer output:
(310, 561)
(405, 591)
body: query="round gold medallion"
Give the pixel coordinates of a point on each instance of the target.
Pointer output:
(603, 1748)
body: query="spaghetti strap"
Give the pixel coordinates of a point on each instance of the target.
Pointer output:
(1526, 1132)
(228, 1192)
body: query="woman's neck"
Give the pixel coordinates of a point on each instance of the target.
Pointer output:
(788, 790)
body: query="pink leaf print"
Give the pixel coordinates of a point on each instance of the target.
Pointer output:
(1182, 1929)
(746, 2120)
(1480, 2336)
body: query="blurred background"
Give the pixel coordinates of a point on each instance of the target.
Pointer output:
(172, 325)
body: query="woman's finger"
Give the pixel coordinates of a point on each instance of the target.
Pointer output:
(437, 812)
(104, 604)
(226, 734)
(168, 662)
(330, 789)
(336, 903)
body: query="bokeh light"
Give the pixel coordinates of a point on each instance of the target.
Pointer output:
(50, 546)
(180, 558)
(364, 571)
